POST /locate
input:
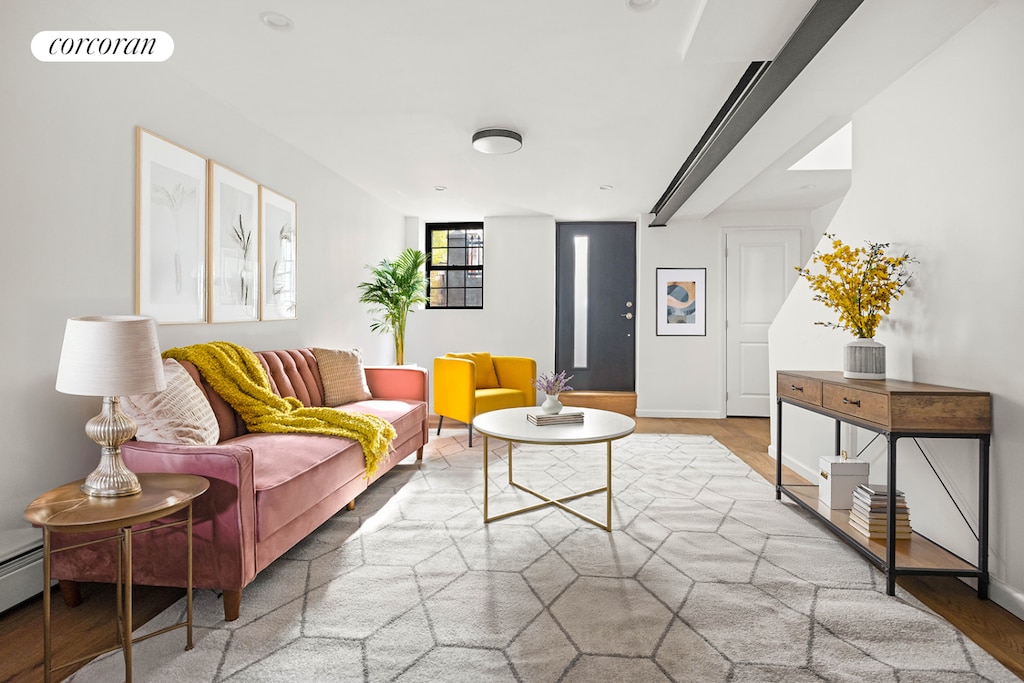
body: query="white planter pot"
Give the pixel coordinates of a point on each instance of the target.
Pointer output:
(551, 405)
(864, 359)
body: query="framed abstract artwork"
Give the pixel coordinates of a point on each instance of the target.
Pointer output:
(277, 241)
(170, 223)
(681, 295)
(234, 246)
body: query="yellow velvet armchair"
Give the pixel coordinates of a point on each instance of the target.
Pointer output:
(468, 384)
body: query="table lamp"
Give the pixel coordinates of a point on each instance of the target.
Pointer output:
(110, 356)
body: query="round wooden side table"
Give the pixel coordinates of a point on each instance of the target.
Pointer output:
(67, 510)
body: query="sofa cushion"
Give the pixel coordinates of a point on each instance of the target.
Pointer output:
(343, 376)
(486, 377)
(293, 472)
(178, 414)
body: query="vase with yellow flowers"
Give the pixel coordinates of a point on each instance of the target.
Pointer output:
(859, 284)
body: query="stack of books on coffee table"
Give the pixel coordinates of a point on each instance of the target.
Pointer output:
(869, 514)
(562, 418)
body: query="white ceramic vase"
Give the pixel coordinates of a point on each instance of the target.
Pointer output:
(864, 359)
(551, 404)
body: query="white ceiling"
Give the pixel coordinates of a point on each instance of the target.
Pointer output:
(389, 92)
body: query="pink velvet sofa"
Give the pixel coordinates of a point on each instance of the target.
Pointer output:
(267, 491)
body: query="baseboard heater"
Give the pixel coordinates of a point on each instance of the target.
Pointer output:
(21, 577)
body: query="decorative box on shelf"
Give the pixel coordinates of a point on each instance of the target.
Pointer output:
(838, 478)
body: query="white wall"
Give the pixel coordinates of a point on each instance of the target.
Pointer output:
(518, 317)
(685, 376)
(938, 170)
(67, 179)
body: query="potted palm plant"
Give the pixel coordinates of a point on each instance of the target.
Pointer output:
(397, 285)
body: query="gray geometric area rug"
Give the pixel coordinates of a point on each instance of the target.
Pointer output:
(705, 577)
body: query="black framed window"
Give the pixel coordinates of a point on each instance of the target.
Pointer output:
(455, 265)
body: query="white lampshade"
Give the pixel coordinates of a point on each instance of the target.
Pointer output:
(110, 355)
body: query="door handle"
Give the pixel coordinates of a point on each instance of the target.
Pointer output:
(627, 316)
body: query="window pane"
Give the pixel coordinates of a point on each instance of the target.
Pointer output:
(456, 278)
(456, 238)
(475, 297)
(439, 238)
(474, 278)
(456, 257)
(475, 238)
(438, 279)
(438, 257)
(475, 256)
(438, 297)
(456, 297)
(581, 298)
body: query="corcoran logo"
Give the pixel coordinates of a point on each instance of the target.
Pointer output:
(102, 46)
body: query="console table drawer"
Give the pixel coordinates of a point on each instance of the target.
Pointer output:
(865, 405)
(799, 388)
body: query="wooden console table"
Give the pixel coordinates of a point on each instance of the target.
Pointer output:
(896, 410)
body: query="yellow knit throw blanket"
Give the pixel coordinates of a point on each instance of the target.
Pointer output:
(237, 375)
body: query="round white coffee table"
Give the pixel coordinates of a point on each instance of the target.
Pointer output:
(513, 425)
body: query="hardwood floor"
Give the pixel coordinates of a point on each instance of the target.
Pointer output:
(89, 627)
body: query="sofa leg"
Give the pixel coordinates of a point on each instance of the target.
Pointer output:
(232, 604)
(351, 504)
(71, 591)
(419, 453)
(440, 421)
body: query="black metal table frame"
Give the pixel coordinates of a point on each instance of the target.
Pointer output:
(888, 564)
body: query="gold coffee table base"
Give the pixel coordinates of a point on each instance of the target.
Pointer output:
(547, 500)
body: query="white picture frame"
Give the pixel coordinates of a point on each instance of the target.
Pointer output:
(171, 226)
(234, 284)
(278, 243)
(681, 297)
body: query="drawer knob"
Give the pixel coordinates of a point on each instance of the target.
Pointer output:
(848, 402)
(794, 387)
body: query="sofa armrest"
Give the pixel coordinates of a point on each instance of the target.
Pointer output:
(455, 388)
(225, 533)
(517, 372)
(398, 382)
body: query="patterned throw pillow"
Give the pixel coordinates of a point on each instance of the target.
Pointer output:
(343, 376)
(178, 414)
(486, 376)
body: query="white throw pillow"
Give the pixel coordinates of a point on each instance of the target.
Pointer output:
(178, 414)
(343, 376)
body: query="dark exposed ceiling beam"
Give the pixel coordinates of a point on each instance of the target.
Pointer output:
(761, 85)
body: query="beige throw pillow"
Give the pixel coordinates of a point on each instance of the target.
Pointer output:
(178, 414)
(343, 376)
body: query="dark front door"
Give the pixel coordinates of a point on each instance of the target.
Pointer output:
(595, 306)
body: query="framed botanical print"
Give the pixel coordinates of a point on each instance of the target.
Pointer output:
(234, 246)
(681, 297)
(278, 244)
(170, 221)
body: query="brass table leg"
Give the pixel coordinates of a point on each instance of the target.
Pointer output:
(47, 662)
(126, 579)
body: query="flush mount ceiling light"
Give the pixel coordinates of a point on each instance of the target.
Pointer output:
(641, 4)
(497, 141)
(276, 21)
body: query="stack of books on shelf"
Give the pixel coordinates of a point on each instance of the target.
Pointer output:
(562, 418)
(869, 513)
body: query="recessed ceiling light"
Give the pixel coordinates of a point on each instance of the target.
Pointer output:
(606, 187)
(641, 4)
(276, 21)
(497, 141)
(439, 188)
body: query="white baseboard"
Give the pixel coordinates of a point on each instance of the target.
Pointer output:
(1006, 597)
(696, 414)
(21, 579)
